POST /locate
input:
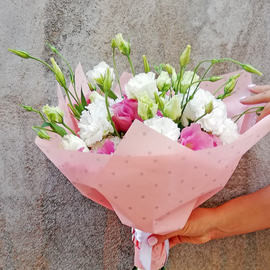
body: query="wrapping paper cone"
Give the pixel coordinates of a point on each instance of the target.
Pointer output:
(152, 182)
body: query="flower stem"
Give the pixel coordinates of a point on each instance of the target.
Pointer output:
(182, 70)
(45, 129)
(109, 114)
(131, 65)
(116, 72)
(216, 91)
(257, 109)
(196, 89)
(43, 62)
(67, 127)
(199, 118)
(41, 115)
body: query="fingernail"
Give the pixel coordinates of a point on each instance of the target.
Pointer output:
(242, 98)
(152, 241)
(251, 86)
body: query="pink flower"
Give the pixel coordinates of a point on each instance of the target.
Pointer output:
(196, 139)
(124, 113)
(107, 148)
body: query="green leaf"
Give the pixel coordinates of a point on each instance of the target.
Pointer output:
(46, 124)
(59, 130)
(75, 112)
(83, 100)
(71, 77)
(112, 95)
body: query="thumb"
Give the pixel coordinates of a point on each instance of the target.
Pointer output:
(155, 239)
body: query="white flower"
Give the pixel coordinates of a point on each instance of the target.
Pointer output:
(72, 142)
(99, 71)
(212, 122)
(172, 106)
(140, 85)
(164, 81)
(230, 132)
(94, 124)
(186, 80)
(165, 126)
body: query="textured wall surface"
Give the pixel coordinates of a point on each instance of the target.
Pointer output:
(44, 222)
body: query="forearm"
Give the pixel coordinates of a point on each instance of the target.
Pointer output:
(244, 214)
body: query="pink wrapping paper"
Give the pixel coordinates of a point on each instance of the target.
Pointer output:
(152, 182)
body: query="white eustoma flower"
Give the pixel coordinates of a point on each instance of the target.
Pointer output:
(94, 123)
(98, 71)
(230, 132)
(165, 126)
(140, 85)
(186, 80)
(172, 106)
(212, 122)
(72, 142)
(164, 81)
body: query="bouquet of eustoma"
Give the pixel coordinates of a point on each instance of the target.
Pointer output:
(150, 146)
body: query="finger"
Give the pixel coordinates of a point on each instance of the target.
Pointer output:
(155, 239)
(263, 97)
(258, 88)
(265, 112)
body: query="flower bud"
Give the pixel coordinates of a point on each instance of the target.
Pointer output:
(107, 84)
(172, 108)
(159, 101)
(27, 108)
(41, 133)
(215, 78)
(164, 81)
(113, 43)
(91, 87)
(147, 108)
(58, 73)
(54, 114)
(251, 69)
(169, 69)
(209, 107)
(146, 64)
(122, 45)
(20, 53)
(53, 49)
(185, 56)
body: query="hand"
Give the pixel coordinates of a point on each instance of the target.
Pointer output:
(199, 229)
(262, 96)
(245, 214)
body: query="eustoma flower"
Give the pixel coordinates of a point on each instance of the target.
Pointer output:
(165, 126)
(94, 124)
(196, 139)
(107, 148)
(124, 113)
(140, 85)
(72, 142)
(98, 72)
(147, 108)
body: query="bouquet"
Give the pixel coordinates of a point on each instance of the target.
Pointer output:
(151, 146)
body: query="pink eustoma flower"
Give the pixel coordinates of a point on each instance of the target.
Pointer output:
(107, 148)
(196, 139)
(124, 113)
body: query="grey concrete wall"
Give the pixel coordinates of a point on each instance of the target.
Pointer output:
(44, 222)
